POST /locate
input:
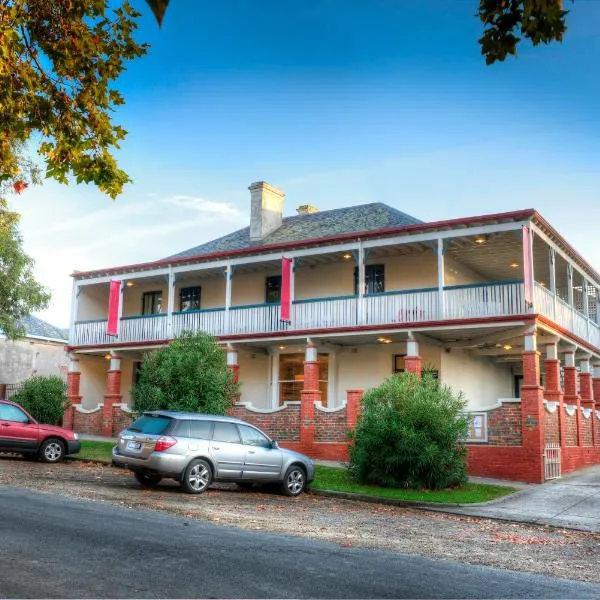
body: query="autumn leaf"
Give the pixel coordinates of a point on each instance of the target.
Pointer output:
(19, 186)
(158, 8)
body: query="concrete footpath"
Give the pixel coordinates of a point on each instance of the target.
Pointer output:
(572, 502)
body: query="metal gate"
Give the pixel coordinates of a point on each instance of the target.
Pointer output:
(552, 460)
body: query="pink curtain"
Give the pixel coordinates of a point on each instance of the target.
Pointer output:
(286, 290)
(114, 299)
(527, 266)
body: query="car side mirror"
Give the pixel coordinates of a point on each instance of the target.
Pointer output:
(274, 445)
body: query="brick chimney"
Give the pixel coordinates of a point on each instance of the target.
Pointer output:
(266, 210)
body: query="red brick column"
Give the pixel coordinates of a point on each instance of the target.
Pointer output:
(571, 396)
(308, 396)
(596, 384)
(412, 361)
(112, 395)
(353, 407)
(532, 410)
(73, 395)
(587, 392)
(552, 390)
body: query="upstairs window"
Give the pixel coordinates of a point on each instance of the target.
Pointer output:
(273, 289)
(189, 298)
(374, 279)
(151, 303)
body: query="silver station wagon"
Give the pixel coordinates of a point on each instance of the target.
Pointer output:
(197, 449)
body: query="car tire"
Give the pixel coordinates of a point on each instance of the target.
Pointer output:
(294, 482)
(196, 477)
(147, 480)
(52, 450)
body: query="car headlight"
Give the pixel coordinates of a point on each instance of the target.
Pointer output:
(75, 436)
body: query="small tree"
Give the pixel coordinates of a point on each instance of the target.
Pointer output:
(44, 398)
(410, 434)
(189, 374)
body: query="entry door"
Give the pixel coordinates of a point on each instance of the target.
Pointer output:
(17, 434)
(227, 450)
(261, 461)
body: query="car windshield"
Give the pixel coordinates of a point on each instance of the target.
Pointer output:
(150, 424)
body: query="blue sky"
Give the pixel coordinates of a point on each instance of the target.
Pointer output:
(338, 103)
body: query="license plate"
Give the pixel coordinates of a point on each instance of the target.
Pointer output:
(134, 445)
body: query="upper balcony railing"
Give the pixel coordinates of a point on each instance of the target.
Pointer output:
(389, 308)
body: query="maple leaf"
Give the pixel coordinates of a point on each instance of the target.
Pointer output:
(19, 186)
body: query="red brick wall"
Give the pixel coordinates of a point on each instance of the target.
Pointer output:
(597, 428)
(121, 420)
(571, 429)
(551, 427)
(283, 425)
(331, 426)
(501, 462)
(504, 425)
(586, 429)
(90, 423)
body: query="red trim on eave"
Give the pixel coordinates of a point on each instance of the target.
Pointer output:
(308, 332)
(515, 215)
(567, 333)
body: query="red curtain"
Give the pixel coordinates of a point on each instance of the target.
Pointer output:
(527, 266)
(114, 299)
(286, 290)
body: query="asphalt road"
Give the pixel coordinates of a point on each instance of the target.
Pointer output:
(55, 547)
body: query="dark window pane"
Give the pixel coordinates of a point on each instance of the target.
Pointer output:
(151, 303)
(200, 429)
(253, 437)
(273, 289)
(181, 429)
(150, 424)
(226, 432)
(374, 279)
(189, 298)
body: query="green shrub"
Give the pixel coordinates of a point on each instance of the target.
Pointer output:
(189, 374)
(410, 435)
(44, 398)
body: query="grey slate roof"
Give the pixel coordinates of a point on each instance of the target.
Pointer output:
(353, 219)
(36, 328)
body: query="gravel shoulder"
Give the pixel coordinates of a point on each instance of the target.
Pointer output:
(519, 547)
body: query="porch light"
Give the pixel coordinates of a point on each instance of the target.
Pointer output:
(347, 256)
(507, 347)
(107, 356)
(514, 264)
(130, 284)
(383, 340)
(480, 240)
(282, 347)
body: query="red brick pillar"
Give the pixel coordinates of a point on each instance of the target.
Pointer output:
(596, 394)
(308, 396)
(552, 390)
(2, 391)
(587, 392)
(353, 407)
(571, 396)
(532, 412)
(412, 360)
(73, 395)
(112, 396)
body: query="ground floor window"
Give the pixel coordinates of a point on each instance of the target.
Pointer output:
(291, 377)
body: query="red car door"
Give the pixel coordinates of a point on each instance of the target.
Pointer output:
(18, 432)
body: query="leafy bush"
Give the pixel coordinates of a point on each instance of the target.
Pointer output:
(410, 435)
(189, 374)
(44, 398)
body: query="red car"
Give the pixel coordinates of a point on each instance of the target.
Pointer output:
(20, 432)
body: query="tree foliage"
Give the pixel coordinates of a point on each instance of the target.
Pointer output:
(58, 62)
(44, 398)
(20, 293)
(189, 374)
(410, 434)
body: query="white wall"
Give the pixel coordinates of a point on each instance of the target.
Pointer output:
(481, 380)
(92, 384)
(254, 379)
(24, 358)
(92, 302)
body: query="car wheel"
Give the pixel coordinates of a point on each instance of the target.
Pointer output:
(294, 481)
(197, 476)
(147, 480)
(52, 450)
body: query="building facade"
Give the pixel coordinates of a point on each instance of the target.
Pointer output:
(375, 291)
